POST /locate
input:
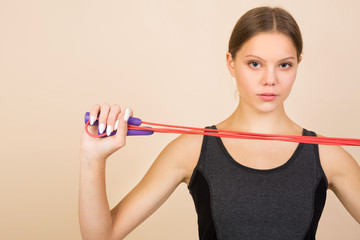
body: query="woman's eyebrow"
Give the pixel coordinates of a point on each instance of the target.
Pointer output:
(250, 55)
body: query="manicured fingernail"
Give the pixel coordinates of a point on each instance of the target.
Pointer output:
(108, 130)
(127, 114)
(92, 120)
(116, 125)
(101, 128)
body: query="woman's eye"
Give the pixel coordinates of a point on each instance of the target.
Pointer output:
(285, 65)
(254, 64)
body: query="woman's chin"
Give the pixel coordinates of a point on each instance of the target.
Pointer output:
(269, 107)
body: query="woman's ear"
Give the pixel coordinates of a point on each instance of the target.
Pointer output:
(300, 58)
(230, 62)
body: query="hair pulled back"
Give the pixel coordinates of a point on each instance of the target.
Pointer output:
(265, 19)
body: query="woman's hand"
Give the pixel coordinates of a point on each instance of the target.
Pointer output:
(110, 119)
(174, 164)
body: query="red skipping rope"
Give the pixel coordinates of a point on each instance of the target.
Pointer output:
(241, 135)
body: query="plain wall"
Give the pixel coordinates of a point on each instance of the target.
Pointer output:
(165, 60)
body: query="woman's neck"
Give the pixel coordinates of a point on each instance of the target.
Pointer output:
(247, 119)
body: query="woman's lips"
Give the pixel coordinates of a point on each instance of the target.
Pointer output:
(267, 96)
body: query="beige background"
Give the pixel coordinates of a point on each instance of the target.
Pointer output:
(166, 60)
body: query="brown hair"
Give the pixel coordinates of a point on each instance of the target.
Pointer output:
(265, 19)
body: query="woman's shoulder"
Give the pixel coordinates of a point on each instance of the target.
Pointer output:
(185, 150)
(343, 173)
(335, 160)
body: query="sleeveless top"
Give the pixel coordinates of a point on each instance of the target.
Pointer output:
(235, 202)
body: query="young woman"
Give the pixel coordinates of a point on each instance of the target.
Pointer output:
(242, 189)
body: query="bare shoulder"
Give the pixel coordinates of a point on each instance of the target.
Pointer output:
(185, 151)
(343, 173)
(336, 161)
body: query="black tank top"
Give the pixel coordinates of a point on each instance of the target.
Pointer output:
(235, 202)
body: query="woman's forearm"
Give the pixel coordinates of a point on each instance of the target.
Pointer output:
(94, 212)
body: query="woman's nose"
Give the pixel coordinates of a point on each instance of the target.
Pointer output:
(269, 77)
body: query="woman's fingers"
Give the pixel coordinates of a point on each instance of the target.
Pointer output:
(93, 113)
(111, 121)
(104, 112)
(111, 118)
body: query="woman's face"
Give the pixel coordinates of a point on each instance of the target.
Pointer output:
(265, 69)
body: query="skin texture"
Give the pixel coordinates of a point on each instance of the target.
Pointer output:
(265, 71)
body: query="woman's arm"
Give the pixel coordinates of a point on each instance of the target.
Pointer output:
(343, 174)
(94, 213)
(165, 174)
(172, 166)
